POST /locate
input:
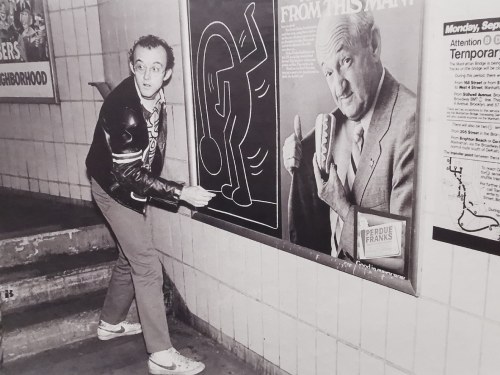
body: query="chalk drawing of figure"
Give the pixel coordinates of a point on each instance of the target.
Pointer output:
(224, 89)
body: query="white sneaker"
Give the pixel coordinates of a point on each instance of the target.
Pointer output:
(106, 331)
(171, 362)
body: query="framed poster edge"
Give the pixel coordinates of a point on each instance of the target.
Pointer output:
(52, 58)
(29, 100)
(402, 285)
(54, 99)
(188, 92)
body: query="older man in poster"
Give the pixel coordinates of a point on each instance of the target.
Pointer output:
(375, 118)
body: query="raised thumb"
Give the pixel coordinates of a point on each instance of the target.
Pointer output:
(297, 128)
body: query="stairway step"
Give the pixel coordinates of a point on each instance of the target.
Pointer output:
(57, 277)
(21, 250)
(52, 325)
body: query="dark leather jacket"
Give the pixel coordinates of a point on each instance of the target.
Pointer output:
(115, 157)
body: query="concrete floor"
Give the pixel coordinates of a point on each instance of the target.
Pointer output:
(127, 356)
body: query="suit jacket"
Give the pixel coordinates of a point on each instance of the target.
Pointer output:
(384, 179)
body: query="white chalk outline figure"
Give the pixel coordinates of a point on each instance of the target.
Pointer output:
(237, 117)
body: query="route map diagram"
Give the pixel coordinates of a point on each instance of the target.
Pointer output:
(474, 216)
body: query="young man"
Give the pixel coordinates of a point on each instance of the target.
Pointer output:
(125, 161)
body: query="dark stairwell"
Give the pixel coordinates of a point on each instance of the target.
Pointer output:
(56, 258)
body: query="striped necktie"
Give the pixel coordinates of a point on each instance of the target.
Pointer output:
(357, 146)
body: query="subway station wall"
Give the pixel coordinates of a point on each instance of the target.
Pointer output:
(43, 146)
(300, 316)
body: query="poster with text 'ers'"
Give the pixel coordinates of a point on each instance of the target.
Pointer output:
(26, 59)
(469, 188)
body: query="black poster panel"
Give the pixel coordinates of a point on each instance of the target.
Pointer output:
(234, 74)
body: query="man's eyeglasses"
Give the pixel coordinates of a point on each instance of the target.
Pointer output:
(154, 70)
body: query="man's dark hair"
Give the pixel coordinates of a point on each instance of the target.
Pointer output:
(152, 41)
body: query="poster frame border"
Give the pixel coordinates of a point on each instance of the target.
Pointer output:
(407, 285)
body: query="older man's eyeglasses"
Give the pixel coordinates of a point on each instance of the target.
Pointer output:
(154, 70)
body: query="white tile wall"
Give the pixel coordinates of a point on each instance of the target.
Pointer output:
(236, 262)
(288, 341)
(255, 327)
(35, 131)
(190, 288)
(348, 362)
(54, 129)
(64, 190)
(53, 5)
(374, 318)
(56, 122)
(389, 370)
(89, 119)
(270, 278)
(214, 311)
(179, 278)
(432, 329)
(57, 33)
(82, 38)
(401, 324)
(327, 300)
(75, 85)
(211, 265)
(253, 269)
(69, 35)
(288, 282)
(85, 67)
(226, 310)
(493, 289)
(72, 159)
(241, 318)
(469, 283)
(186, 240)
(45, 123)
(200, 245)
(202, 293)
(271, 324)
(436, 270)
(174, 241)
(62, 78)
(326, 354)
(464, 338)
(307, 277)
(306, 349)
(278, 305)
(349, 324)
(370, 365)
(78, 122)
(490, 360)
(225, 267)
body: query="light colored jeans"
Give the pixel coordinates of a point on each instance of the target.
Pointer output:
(138, 271)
